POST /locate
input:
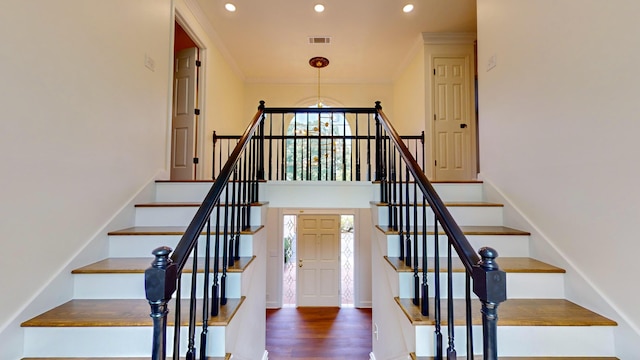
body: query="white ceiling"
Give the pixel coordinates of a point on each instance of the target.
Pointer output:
(371, 40)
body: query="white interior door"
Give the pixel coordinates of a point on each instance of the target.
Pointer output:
(452, 120)
(183, 128)
(318, 247)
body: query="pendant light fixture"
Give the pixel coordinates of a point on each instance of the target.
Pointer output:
(319, 62)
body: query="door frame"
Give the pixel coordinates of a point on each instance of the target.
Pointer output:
(356, 246)
(200, 137)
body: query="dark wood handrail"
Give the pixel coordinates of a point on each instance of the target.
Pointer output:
(191, 234)
(459, 241)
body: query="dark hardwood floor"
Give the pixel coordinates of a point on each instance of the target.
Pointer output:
(319, 333)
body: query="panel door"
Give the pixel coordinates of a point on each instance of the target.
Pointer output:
(318, 277)
(183, 128)
(452, 120)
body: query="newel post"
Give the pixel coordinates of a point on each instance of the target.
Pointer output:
(490, 284)
(160, 284)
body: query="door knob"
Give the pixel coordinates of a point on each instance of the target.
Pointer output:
(300, 263)
(462, 126)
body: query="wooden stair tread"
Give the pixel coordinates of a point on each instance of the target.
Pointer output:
(513, 312)
(121, 312)
(171, 230)
(139, 265)
(447, 204)
(479, 357)
(467, 230)
(507, 264)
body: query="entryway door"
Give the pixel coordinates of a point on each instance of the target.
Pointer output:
(183, 127)
(453, 123)
(318, 274)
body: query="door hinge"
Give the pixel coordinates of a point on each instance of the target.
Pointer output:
(434, 71)
(198, 63)
(195, 160)
(196, 111)
(435, 162)
(434, 116)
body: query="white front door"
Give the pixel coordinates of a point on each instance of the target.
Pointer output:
(183, 128)
(452, 120)
(318, 243)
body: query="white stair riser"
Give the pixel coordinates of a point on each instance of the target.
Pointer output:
(463, 215)
(519, 285)
(110, 341)
(143, 245)
(131, 286)
(189, 191)
(528, 340)
(182, 216)
(507, 245)
(448, 192)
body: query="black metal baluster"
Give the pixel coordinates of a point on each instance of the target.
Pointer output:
(319, 152)
(205, 295)
(357, 142)
(213, 157)
(283, 170)
(176, 326)
(451, 349)
(332, 152)
(416, 277)
(295, 149)
(307, 152)
(369, 147)
(215, 288)
(425, 283)
(344, 148)
(229, 258)
(225, 237)
(398, 210)
(191, 343)
(408, 258)
(270, 145)
(438, 313)
(469, 317)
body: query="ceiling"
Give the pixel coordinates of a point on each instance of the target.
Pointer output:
(371, 40)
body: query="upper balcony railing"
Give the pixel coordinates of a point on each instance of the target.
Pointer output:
(326, 144)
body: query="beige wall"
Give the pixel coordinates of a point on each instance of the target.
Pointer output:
(336, 95)
(559, 138)
(84, 127)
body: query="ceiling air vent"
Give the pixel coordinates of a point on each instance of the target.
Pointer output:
(319, 40)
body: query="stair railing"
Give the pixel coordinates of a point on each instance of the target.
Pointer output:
(334, 144)
(409, 194)
(238, 183)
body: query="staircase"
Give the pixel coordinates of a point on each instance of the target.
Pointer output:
(108, 316)
(536, 322)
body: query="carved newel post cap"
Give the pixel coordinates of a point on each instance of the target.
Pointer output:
(162, 257)
(488, 256)
(261, 106)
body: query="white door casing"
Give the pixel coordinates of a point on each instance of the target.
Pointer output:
(183, 126)
(318, 271)
(452, 119)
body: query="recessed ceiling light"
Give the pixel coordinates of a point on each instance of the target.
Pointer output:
(230, 7)
(408, 8)
(319, 8)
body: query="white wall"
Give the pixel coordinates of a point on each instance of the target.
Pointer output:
(84, 127)
(558, 137)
